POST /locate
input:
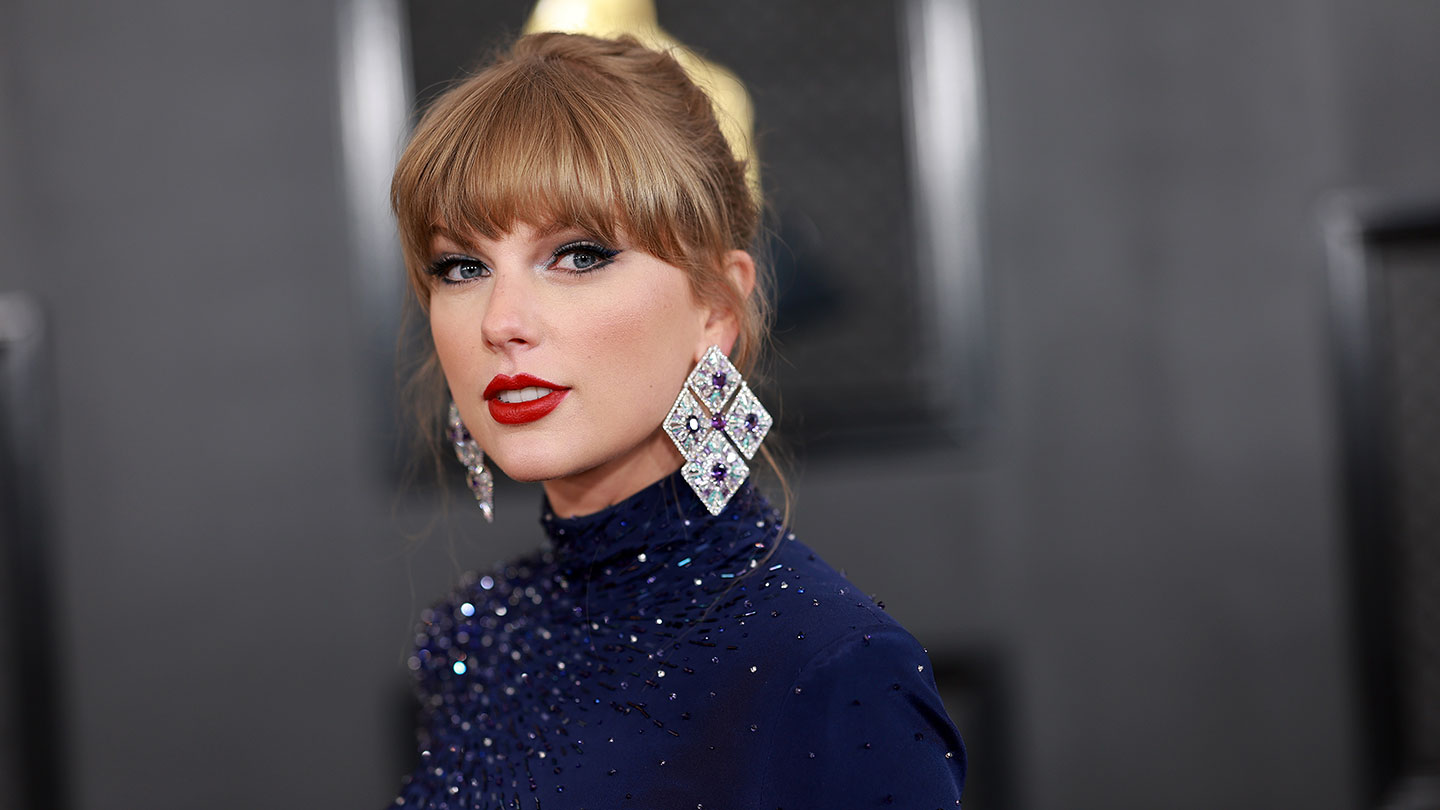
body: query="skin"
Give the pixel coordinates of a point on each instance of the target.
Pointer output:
(622, 338)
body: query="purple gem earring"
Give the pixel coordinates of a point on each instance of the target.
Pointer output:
(479, 479)
(716, 438)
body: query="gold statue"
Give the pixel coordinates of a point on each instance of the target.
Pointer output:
(609, 18)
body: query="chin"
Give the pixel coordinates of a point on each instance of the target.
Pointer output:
(547, 458)
(532, 463)
(527, 471)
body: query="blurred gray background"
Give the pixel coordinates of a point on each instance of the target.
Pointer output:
(1146, 537)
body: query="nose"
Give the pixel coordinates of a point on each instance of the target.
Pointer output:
(510, 319)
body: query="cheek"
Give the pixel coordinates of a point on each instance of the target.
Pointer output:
(455, 337)
(644, 337)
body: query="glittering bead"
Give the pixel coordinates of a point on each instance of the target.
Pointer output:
(687, 425)
(747, 422)
(714, 379)
(652, 632)
(715, 473)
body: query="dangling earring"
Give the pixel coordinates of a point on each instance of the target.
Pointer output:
(700, 422)
(476, 476)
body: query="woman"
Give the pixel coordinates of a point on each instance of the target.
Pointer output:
(578, 231)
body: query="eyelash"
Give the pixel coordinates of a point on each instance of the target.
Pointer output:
(604, 255)
(441, 267)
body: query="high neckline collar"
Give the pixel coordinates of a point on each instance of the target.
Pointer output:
(662, 512)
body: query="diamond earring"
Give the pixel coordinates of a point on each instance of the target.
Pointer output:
(713, 436)
(476, 476)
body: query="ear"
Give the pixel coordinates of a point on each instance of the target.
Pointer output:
(722, 325)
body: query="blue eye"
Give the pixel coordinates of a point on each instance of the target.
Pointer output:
(457, 269)
(582, 257)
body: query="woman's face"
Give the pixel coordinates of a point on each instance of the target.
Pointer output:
(564, 354)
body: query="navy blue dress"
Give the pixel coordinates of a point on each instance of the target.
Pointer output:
(655, 656)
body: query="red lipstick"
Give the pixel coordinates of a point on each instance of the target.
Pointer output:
(518, 413)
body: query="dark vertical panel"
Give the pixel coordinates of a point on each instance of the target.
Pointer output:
(33, 742)
(1386, 320)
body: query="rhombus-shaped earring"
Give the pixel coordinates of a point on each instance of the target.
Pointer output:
(715, 431)
(479, 479)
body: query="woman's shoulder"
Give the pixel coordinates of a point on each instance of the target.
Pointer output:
(807, 610)
(484, 586)
(481, 598)
(859, 713)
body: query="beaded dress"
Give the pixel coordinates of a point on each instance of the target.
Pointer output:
(654, 656)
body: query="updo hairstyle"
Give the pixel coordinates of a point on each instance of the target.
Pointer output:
(567, 130)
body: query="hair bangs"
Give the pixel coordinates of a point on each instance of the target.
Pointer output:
(571, 131)
(547, 151)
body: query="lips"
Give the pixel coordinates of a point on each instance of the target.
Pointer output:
(529, 398)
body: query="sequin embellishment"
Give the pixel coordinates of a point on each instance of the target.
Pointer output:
(649, 654)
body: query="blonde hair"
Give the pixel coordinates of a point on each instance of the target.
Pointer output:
(567, 130)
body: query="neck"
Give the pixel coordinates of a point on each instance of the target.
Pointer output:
(615, 480)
